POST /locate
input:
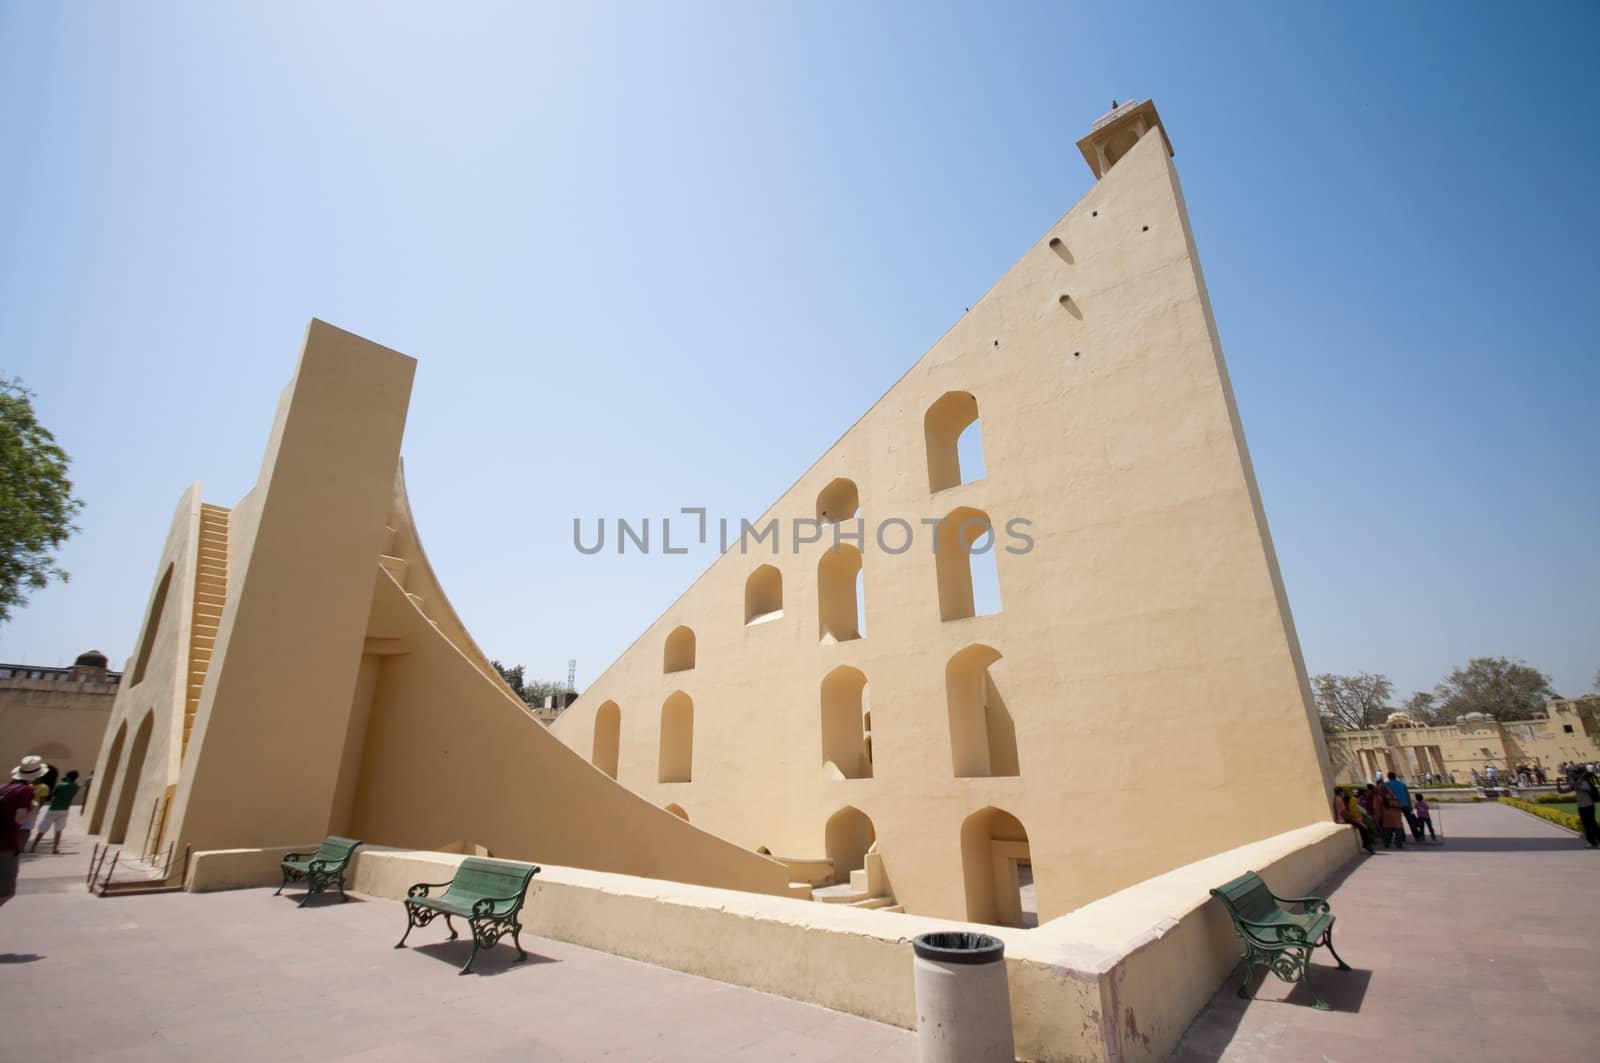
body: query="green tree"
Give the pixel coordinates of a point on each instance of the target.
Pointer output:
(1355, 701)
(36, 502)
(531, 691)
(1422, 706)
(1507, 689)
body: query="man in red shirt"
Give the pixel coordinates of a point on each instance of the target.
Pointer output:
(16, 807)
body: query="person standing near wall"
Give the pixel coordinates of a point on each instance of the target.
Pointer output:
(1587, 794)
(1392, 822)
(1348, 810)
(16, 806)
(55, 817)
(1403, 792)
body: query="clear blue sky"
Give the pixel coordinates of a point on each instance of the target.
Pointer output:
(656, 256)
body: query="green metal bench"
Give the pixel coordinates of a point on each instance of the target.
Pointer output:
(1274, 938)
(486, 893)
(320, 869)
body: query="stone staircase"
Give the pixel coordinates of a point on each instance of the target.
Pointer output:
(868, 886)
(210, 593)
(397, 567)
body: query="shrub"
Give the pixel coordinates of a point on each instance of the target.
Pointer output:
(1554, 815)
(1553, 799)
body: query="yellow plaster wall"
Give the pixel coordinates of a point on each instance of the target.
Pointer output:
(451, 756)
(279, 691)
(1146, 638)
(62, 721)
(158, 694)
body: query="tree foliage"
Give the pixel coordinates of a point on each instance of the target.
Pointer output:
(1507, 689)
(531, 691)
(1354, 701)
(1423, 706)
(36, 502)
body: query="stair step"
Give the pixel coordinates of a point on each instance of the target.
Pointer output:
(395, 566)
(897, 909)
(843, 893)
(873, 902)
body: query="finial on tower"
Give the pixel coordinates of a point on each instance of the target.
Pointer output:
(1114, 132)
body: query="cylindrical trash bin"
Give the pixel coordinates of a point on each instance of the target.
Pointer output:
(963, 1009)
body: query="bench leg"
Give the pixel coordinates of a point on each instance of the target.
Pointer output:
(516, 939)
(282, 884)
(1305, 980)
(342, 896)
(1327, 939)
(1249, 969)
(402, 942)
(452, 928)
(466, 967)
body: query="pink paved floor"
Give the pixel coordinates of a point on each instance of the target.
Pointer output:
(1486, 947)
(246, 976)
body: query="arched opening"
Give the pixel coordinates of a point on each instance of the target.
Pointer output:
(983, 738)
(763, 595)
(955, 455)
(607, 737)
(838, 607)
(964, 560)
(998, 870)
(137, 755)
(845, 752)
(677, 810)
(152, 623)
(1119, 144)
(848, 836)
(677, 738)
(108, 780)
(678, 655)
(838, 501)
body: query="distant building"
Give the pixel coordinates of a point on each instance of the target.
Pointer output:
(59, 714)
(553, 705)
(1475, 741)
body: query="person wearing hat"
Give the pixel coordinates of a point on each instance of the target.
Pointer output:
(17, 803)
(42, 782)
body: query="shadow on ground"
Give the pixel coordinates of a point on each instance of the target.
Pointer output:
(497, 960)
(316, 900)
(1212, 1032)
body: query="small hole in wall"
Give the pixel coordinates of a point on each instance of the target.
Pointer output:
(997, 343)
(1094, 214)
(1055, 241)
(1076, 353)
(1145, 229)
(1064, 300)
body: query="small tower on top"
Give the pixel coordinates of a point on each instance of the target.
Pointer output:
(1119, 129)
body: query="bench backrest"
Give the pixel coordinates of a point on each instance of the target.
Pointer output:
(336, 849)
(1247, 897)
(481, 877)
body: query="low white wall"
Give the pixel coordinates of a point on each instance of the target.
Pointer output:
(1116, 981)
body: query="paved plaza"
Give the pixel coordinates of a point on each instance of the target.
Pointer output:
(244, 975)
(1486, 947)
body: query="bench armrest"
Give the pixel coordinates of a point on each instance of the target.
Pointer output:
(1281, 933)
(307, 855)
(421, 888)
(1316, 904)
(487, 905)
